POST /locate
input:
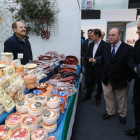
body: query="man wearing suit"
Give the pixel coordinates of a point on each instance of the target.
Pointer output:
(134, 63)
(115, 75)
(94, 54)
(18, 43)
(84, 52)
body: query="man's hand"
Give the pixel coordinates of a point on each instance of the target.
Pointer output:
(94, 61)
(135, 69)
(90, 60)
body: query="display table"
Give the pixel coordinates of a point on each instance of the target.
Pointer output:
(49, 75)
(66, 120)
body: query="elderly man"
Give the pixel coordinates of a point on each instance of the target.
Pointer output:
(115, 75)
(102, 35)
(18, 44)
(134, 63)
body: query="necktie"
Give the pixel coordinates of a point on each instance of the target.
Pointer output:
(113, 51)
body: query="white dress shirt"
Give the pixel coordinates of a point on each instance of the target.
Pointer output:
(89, 41)
(116, 46)
(95, 48)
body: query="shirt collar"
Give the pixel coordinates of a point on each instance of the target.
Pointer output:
(22, 39)
(98, 42)
(117, 44)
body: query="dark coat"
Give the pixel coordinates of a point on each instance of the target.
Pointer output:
(134, 59)
(85, 51)
(97, 69)
(15, 45)
(115, 70)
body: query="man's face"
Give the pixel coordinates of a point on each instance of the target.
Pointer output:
(138, 29)
(93, 36)
(102, 35)
(113, 36)
(20, 30)
(89, 34)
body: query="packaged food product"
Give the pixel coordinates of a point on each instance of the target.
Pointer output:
(49, 128)
(4, 132)
(30, 78)
(40, 98)
(2, 95)
(29, 97)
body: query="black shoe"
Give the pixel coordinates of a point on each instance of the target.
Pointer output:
(123, 120)
(131, 132)
(106, 116)
(98, 102)
(85, 98)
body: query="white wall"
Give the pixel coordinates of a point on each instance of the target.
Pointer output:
(131, 29)
(68, 40)
(123, 15)
(92, 24)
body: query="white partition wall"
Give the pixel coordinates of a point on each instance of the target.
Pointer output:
(131, 34)
(68, 39)
(92, 24)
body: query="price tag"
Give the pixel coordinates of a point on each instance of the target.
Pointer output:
(20, 55)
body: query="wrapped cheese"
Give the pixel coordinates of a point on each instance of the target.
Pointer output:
(13, 120)
(57, 110)
(53, 102)
(20, 134)
(9, 71)
(35, 109)
(40, 98)
(13, 89)
(22, 106)
(30, 79)
(19, 69)
(4, 132)
(39, 134)
(49, 117)
(29, 122)
(29, 97)
(8, 103)
(5, 83)
(49, 128)
(16, 63)
(2, 95)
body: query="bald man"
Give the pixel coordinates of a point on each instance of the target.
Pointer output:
(134, 63)
(115, 75)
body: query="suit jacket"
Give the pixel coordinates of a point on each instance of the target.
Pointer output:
(115, 70)
(134, 59)
(15, 45)
(96, 67)
(85, 51)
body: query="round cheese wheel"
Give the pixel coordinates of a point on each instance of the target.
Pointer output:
(24, 114)
(29, 97)
(22, 106)
(35, 109)
(57, 110)
(20, 134)
(19, 69)
(40, 98)
(49, 117)
(13, 119)
(31, 86)
(53, 102)
(30, 78)
(29, 122)
(21, 73)
(4, 132)
(49, 128)
(39, 134)
(63, 95)
(52, 138)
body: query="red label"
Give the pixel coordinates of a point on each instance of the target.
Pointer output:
(29, 120)
(19, 134)
(39, 134)
(4, 130)
(13, 118)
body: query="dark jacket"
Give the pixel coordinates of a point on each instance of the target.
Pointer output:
(98, 54)
(134, 59)
(16, 45)
(115, 70)
(85, 51)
